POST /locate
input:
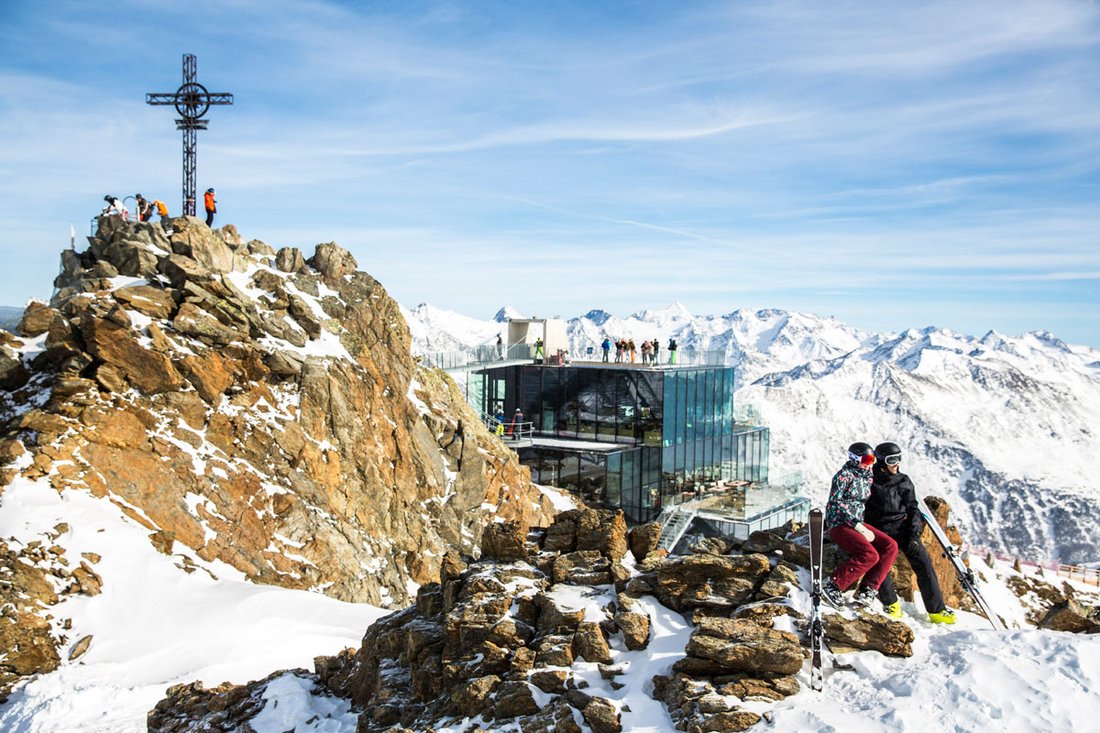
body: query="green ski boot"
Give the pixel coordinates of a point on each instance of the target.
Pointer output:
(893, 610)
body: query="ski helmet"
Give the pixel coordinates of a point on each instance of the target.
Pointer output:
(862, 453)
(888, 453)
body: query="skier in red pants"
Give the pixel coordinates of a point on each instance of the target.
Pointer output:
(871, 552)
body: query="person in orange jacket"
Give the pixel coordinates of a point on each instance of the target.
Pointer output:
(211, 206)
(162, 209)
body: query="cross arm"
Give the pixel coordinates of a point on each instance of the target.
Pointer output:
(174, 97)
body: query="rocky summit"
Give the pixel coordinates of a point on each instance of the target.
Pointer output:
(250, 406)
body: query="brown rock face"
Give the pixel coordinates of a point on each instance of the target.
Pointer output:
(869, 631)
(294, 438)
(710, 581)
(737, 645)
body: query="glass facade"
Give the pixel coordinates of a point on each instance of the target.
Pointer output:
(633, 438)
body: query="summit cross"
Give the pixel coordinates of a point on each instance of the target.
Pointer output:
(192, 101)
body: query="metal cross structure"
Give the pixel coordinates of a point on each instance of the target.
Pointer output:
(192, 101)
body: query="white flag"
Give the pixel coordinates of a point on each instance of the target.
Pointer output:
(72, 236)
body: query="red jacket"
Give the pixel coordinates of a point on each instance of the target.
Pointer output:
(208, 201)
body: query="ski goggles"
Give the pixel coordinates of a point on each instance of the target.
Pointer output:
(892, 460)
(865, 461)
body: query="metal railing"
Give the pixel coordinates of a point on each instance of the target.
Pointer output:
(488, 354)
(477, 356)
(1089, 576)
(509, 431)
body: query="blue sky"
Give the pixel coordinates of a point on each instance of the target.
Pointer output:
(893, 164)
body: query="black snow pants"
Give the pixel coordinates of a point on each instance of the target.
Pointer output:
(926, 578)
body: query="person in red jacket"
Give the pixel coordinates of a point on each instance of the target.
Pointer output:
(211, 206)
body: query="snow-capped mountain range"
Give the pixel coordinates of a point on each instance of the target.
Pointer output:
(1004, 427)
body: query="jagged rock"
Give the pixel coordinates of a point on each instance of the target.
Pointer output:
(554, 650)
(737, 720)
(643, 539)
(89, 582)
(332, 261)
(765, 542)
(737, 645)
(193, 321)
(13, 374)
(764, 690)
(550, 680)
(698, 581)
(602, 716)
(284, 363)
(153, 302)
(226, 707)
(514, 699)
(80, 648)
(561, 536)
(211, 374)
(712, 546)
(504, 541)
(130, 257)
(471, 697)
(635, 628)
(181, 270)
(1069, 615)
(149, 371)
(552, 618)
(257, 247)
(199, 243)
(37, 318)
(869, 631)
(584, 567)
(603, 530)
(304, 316)
(289, 259)
(590, 644)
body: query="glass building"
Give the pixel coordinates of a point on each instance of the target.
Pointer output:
(628, 437)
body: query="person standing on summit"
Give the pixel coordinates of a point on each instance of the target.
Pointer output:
(210, 205)
(871, 552)
(892, 507)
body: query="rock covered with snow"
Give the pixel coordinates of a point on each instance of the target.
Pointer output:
(269, 420)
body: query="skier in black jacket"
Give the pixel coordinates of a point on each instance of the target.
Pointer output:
(892, 507)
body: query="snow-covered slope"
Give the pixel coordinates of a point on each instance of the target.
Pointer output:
(1005, 427)
(155, 625)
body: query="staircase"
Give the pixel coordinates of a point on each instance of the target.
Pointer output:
(675, 525)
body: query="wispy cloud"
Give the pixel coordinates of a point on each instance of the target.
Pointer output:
(621, 154)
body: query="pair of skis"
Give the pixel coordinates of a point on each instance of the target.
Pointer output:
(966, 575)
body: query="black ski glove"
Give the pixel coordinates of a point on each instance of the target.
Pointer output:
(914, 547)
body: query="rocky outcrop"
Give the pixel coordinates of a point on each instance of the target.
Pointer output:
(272, 420)
(510, 639)
(34, 577)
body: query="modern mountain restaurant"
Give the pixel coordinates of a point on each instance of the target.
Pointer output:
(643, 438)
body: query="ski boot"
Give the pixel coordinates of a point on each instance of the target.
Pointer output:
(832, 594)
(893, 610)
(946, 616)
(865, 597)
